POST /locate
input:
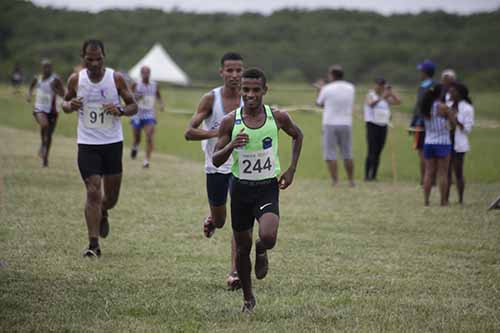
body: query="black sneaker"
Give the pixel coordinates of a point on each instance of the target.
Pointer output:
(133, 153)
(261, 265)
(248, 306)
(92, 253)
(104, 226)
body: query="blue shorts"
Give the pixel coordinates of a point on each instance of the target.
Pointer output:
(138, 123)
(436, 151)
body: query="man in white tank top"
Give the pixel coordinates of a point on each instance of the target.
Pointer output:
(47, 87)
(94, 94)
(213, 107)
(146, 93)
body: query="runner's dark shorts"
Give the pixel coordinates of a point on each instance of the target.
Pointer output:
(252, 199)
(100, 159)
(217, 186)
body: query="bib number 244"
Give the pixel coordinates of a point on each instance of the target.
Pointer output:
(257, 165)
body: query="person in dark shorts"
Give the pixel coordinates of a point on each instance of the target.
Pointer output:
(204, 126)
(417, 127)
(94, 94)
(47, 87)
(463, 116)
(16, 78)
(250, 135)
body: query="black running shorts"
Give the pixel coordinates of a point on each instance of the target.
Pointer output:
(217, 187)
(100, 159)
(252, 199)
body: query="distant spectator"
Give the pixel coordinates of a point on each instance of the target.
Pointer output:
(337, 98)
(427, 70)
(377, 116)
(16, 78)
(437, 146)
(448, 76)
(463, 113)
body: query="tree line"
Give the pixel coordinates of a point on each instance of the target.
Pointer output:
(290, 45)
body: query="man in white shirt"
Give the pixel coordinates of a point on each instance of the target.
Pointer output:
(95, 95)
(337, 99)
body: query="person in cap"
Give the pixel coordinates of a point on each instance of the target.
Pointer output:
(427, 70)
(377, 115)
(337, 99)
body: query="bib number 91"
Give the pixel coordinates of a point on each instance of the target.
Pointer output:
(94, 116)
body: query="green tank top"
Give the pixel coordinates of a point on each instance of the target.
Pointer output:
(258, 159)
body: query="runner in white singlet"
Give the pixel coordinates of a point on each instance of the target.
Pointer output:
(146, 93)
(212, 108)
(94, 93)
(47, 87)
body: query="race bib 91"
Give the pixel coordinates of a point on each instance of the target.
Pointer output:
(257, 165)
(94, 116)
(147, 102)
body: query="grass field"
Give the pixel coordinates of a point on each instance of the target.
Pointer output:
(370, 258)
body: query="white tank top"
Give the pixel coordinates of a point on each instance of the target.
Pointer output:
(146, 102)
(212, 123)
(95, 127)
(45, 100)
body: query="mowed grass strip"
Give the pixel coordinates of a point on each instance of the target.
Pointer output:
(370, 258)
(481, 163)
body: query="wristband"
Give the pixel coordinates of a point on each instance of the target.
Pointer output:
(120, 109)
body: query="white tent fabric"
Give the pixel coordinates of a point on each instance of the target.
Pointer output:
(163, 68)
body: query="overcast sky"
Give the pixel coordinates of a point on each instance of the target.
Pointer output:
(268, 6)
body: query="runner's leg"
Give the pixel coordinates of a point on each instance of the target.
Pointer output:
(243, 263)
(43, 120)
(93, 208)
(149, 130)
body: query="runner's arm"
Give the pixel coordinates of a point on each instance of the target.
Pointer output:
(224, 146)
(58, 87)
(71, 103)
(158, 97)
(30, 90)
(193, 132)
(123, 90)
(286, 123)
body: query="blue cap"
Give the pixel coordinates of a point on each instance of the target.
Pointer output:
(427, 66)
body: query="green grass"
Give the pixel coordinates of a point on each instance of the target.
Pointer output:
(481, 162)
(370, 258)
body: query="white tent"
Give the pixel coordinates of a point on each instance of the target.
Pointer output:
(163, 68)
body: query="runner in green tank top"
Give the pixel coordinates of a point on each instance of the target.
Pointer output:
(250, 135)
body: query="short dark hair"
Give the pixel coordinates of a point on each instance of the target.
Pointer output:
(255, 73)
(336, 71)
(230, 56)
(94, 43)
